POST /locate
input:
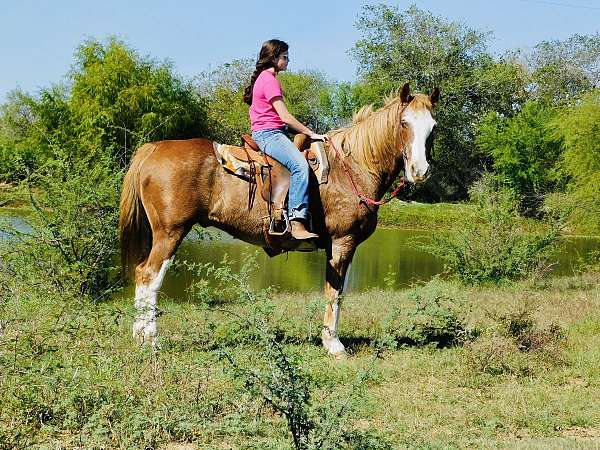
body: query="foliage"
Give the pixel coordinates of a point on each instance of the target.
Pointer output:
(434, 319)
(561, 71)
(578, 127)
(524, 151)
(490, 246)
(69, 244)
(113, 101)
(428, 51)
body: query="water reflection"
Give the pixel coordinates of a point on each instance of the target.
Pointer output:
(390, 256)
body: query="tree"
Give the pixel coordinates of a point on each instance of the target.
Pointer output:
(579, 126)
(122, 99)
(524, 151)
(308, 95)
(223, 90)
(563, 70)
(427, 51)
(113, 100)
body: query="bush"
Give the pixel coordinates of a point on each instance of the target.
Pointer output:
(71, 242)
(435, 319)
(517, 345)
(490, 245)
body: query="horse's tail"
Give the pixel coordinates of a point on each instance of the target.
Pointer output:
(134, 228)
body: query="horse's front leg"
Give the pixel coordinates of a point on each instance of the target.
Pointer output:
(339, 256)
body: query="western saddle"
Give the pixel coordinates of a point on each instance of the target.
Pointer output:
(272, 180)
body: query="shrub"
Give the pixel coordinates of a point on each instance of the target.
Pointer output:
(490, 245)
(70, 244)
(435, 319)
(274, 373)
(517, 345)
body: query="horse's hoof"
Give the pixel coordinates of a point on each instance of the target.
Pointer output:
(342, 356)
(144, 334)
(333, 345)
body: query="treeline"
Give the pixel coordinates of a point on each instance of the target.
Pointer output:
(530, 118)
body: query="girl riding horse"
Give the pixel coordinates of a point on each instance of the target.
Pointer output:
(269, 118)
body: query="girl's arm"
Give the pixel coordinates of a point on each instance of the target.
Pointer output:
(288, 118)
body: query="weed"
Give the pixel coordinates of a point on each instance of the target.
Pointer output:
(434, 319)
(518, 345)
(490, 246)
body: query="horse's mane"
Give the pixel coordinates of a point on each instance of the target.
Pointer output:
(371, 139)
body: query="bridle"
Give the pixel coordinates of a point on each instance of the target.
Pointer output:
(363, 198)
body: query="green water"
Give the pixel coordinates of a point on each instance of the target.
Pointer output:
(388, 258)
(389, 253)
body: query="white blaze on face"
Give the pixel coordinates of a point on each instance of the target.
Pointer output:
(421, 123)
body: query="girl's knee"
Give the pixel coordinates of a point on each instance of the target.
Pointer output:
(300, 164)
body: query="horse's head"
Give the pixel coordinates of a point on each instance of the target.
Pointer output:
(417, 123)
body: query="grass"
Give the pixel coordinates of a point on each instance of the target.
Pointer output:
(435, 216)
(422, 215)
(12, 195)
(71, 377)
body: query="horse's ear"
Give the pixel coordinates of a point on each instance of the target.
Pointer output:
(405, 94)
(435, 96)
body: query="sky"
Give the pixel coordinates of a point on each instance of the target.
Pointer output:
(38, 38)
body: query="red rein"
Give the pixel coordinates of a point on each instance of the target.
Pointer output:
(367, 200)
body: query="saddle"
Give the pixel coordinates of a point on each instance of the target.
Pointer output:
(272, 180)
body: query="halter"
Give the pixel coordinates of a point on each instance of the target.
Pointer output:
(363, 198)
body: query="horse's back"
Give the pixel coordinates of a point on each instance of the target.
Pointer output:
(176, 179)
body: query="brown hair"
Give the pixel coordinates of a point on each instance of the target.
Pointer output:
(267, 58)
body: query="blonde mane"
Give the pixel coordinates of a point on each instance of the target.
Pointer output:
(371, 139)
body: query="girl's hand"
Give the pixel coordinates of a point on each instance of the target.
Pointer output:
(318, 137)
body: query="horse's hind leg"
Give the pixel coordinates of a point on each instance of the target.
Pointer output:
(339, 257)
(149, 276)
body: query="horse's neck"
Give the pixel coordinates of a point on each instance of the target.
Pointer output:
(372, 184)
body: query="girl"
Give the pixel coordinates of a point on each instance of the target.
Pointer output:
(269, 118)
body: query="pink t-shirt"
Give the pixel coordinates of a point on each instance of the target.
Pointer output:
(262, 114)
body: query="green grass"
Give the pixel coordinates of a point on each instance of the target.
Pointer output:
(12, 195)
(71, 376)
(422, 215)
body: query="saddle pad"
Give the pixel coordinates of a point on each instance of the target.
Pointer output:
(229, 162)
(235, 160)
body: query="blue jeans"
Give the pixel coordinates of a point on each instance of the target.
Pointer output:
(275, 143)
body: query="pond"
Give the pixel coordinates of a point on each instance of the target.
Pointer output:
(390, 257)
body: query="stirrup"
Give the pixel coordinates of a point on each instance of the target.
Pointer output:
(288, 226)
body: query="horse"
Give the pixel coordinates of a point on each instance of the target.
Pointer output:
(173, 184)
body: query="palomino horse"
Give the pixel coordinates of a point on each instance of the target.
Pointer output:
(171, 185)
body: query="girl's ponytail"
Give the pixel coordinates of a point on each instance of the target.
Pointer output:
(267, 58)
